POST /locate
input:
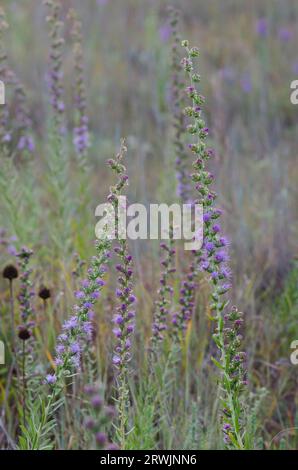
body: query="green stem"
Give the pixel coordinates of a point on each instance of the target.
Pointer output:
(12, 316)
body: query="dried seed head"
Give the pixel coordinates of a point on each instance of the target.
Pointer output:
(10, 272)
(44, 293)
(24, 334)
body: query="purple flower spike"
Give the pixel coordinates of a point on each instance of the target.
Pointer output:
(51, 379)
(211, 257)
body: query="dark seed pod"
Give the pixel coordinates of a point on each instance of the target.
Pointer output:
(10, 272)
(24, 334)
(44, 293)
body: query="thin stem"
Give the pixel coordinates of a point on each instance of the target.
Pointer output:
(12, 316)
(24, 382)
(230, 396)
(123, 406)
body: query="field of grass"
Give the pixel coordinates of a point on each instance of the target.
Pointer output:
(105, 347)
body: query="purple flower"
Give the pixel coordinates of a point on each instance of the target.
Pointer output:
(119, 293)
(95, 295)
(63, 337)
(91, 314)
(295, 67)
(205, 265)
(117, 332)
(116, 360)
(220, 257)
(60, 349)
(130, 328)
(128, 344)
(75, 348)
(88, 328)
(227, 73)
(223, 241)
(101, 438)
(11, 250)
(51, 379)
(71, 323)
(118, 319)
(246, 83)
(85, 283)
(216, 228)
(209, 246)
(96, 401)
(285, 34)
(80, 295)
(88, 305)
(131, 314)
(262, 27)
(207, 217)
(225, 272)
(226, 427)
(55, 73)
(101, 419)
(75, 361)
(225, 287)
(165, 32)
(26, 142)
(6, 138)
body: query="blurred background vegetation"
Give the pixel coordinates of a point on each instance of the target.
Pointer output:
(249, 57)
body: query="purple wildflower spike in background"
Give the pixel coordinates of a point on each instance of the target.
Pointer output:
(165, 293)
(285, 34)
(19, 138)
(246, 83)
(165, 32)
(100, 418)
(55, 76)
(182, 176)
(262, 27)
(81, 131)
(181, 318)
(5, 134)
